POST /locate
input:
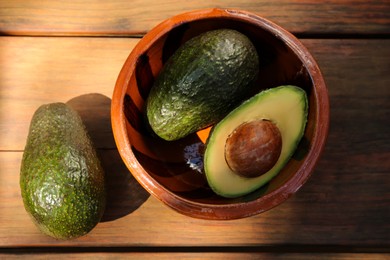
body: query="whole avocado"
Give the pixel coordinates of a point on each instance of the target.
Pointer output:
(61, 178)
(201, 82)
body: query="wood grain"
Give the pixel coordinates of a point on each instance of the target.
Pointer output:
(342, 212)
(202, 255)
(35, 71)
(345, 202)
(315, 216)
(95, 17)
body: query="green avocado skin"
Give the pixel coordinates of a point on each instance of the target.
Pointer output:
(201, 82)
(61, 178)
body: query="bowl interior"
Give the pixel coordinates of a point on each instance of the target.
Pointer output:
(177, 165)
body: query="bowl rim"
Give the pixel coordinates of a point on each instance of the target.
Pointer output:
(239, 209)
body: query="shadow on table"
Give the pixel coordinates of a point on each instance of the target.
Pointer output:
(124, 193)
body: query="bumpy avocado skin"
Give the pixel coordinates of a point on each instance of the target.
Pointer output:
(205, 78)
(61, 178)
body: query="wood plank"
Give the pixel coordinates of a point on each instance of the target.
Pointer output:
(48, 69)
(134, 218)
(316, 215)
(94, 17)
(201, 255)
(344, 203)
(147, 223)
(35, 71)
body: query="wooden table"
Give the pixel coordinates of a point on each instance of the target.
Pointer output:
(72, 52)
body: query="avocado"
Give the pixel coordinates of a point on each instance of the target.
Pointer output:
(286, 107)
(61, 178)
(201, 82)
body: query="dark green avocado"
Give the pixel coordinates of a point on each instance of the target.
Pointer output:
(286, 107)
(201, 82)
(61, 178)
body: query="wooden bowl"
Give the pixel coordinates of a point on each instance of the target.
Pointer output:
(162, 167)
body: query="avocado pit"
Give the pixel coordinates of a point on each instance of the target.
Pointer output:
(253, 148)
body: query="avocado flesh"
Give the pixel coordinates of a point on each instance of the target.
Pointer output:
(286, 107)
(201, 82)
(61, 178)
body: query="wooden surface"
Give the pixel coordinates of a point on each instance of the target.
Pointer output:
(94, 17)
(343, 212)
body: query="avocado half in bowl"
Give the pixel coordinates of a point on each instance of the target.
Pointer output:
(174, 170)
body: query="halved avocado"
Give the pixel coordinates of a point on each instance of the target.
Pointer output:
(284, 106)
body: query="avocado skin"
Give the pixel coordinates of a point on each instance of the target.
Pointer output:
(201, 82)
(61, 178)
